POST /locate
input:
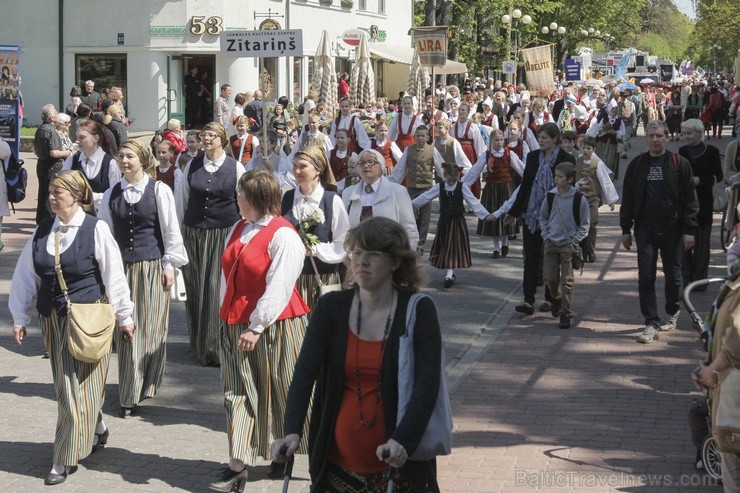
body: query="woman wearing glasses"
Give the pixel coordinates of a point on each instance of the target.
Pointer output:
(351, 353)
(375, 196)
(207, 209)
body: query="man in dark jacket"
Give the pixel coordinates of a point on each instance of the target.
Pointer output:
(254, 111)
(659, 200)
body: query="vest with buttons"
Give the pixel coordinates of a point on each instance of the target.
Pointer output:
(420, 166)
(167, 177)
(212, 201)
(339, 164)
(248, 281)
(236, 148)
(136, 226)
(451, 203)
(323, 231)
(385, 151)
(99, 183)
(498, 169)
(79, 267)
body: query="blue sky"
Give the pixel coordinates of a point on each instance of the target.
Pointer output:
(685, 7)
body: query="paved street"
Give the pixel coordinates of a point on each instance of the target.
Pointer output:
(536, 408)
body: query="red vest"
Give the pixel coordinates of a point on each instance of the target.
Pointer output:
(236, 147)
(466, 142)
(249, 279)
(390, 161)
(403, 140)
(167, 177)
(339, 164)
(498, 168)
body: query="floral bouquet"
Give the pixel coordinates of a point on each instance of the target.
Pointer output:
(309, 216)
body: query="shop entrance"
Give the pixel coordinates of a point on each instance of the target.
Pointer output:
(190, 90)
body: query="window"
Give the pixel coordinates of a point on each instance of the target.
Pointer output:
(381, 6)
(104, 70)
(362, 5)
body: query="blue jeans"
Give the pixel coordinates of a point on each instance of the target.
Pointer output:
(670, 248)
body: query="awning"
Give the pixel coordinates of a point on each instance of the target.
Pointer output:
(403, 55)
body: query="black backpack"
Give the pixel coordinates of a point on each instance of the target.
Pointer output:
(16, 179)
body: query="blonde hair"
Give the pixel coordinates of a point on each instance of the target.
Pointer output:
(174, 125)
(75, 183)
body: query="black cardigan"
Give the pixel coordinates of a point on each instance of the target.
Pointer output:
(530, 172)
(708, 167)
(322, 361)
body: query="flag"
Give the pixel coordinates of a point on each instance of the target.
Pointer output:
(700, 71)
(622, 65)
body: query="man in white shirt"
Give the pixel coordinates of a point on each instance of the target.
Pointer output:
(222, 108)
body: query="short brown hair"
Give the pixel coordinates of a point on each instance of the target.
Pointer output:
(568, 169)
(262, 190)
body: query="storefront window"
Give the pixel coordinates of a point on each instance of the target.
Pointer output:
(104, 70)
(362, 4)
(381, 6)
(298, 90)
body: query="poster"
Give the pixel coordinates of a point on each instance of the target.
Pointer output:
(10, 120)
(538, 68)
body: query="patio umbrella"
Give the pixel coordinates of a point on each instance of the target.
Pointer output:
(593, 83)
(627, 86)
(362, 80)
(646, 80)
(418, 79)
(324, 79)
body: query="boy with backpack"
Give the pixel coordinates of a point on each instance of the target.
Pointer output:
(564, 221)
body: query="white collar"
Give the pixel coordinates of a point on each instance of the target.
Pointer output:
(314, 197)
(139, 186)
(76, 220)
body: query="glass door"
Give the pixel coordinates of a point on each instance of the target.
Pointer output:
(175, 93)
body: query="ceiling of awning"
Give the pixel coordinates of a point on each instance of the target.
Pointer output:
(400, 54)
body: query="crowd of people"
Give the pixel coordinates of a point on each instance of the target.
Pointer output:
(261, 227)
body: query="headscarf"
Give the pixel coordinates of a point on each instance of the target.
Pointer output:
(144, 153)
(75, 183)
(219, 130)
(317, 157)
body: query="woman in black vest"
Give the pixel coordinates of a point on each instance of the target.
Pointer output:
(94, 159)
(141, 214)
(92, 268)
(317, 189)
(206, 206)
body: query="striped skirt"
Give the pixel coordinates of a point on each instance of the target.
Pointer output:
(451, 247)
(141, 360)
(255, 385)
(202, 275)
(309, 288)
(494, 196)
(80, 392)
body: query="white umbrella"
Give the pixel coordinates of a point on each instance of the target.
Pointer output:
(591, 82)
(646, 80)
(362, 81)
(324, 79)
(418, 79)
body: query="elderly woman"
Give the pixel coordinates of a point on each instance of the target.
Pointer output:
(141, 214)
(264, 321)
(316, 190)
(94, 159)
(91, 265)
(375, 196)
(706, 166)
(63, 123)
(207, 209)
(351, 353)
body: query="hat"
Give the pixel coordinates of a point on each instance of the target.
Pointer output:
(571, 99)
(612, 104)
(488, 102)
(467, 90)
(524, 95)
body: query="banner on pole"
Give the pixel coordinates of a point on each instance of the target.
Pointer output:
(538, 68)
(262, 44)
(10, 120)
(431, 44)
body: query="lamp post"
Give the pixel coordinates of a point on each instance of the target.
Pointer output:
(512, 24)
(555, 30)
(715, 49)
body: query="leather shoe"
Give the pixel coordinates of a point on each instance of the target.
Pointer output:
(230, 480)
(495, 254)
(449, 281)
(564, 322)
(102, 440)
(54, 478)
(546, 306)
(125, 412)
(504, 251)
(525, 307)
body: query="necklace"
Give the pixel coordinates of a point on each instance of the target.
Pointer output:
(380, 361)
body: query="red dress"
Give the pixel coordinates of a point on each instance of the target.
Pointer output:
(466, 142)
(403, 140)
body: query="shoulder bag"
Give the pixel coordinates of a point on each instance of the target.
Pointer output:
(437, 439)
(323, 288)
(89, 325)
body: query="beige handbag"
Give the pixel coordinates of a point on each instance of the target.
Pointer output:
(177, 290)
(89, 325)
(323, 288)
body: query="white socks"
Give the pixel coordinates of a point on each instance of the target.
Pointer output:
(58, 469)
(497, 243)
(236, 465)
(450, 273)
(505, 241)
(100, 428)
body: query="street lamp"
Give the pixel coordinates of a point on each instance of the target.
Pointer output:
(715, 49)
(512, 21)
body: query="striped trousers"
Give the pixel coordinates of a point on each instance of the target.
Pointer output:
(255, 385)
(80, 392)
(141, 361)
(202, 276)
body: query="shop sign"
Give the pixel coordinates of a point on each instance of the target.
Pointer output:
(262, 44)
(352, 37)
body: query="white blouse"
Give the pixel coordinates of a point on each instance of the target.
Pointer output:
(286, 253)
(91, 168)
(174, 248)
(25, 284)
(331, 253)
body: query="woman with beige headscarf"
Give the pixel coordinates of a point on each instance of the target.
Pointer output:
(141, 214)
(317, 190)
(91, 265)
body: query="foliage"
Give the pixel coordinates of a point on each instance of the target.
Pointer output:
(718, 23)
(668, 39)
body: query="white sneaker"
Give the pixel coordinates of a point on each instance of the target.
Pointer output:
(670, 322)
(649, 335)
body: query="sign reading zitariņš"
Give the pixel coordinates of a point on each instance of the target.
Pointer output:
(262, 44)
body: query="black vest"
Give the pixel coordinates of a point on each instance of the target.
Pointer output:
(80, 269)
(100, 183)
(136, 226)
(451, 204)
(212, 201)
(323, 231)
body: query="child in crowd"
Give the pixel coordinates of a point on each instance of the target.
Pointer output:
(389, 149)
(353, 176)
(242, 143)
(174, 135)
(498, 166)
(451, 247)
(564, 221)
(569, 143)
(167, 172)
(339, 156)
(192, 149)
(594, 183)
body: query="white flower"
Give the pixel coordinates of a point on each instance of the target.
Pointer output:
(305, 212)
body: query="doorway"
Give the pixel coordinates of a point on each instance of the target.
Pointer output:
(190, 89)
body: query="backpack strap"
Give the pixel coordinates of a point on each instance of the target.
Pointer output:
(577, 207)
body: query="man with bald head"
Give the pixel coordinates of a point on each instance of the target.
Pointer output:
(254, 111)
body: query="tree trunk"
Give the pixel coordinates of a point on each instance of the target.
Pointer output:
(431, 13)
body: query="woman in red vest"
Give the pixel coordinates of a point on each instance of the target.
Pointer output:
(242, 143)
(264, 324)
(403, 127)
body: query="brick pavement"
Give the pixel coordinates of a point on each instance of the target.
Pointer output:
(536, 408)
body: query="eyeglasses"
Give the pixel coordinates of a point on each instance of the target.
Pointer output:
(359, 255)
(369, 162)
(208, 135)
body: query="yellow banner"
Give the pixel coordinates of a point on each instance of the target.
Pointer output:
(538, 68)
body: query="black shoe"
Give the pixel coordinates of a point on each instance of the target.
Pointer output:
(277, 471)
(449, 281)
(230, 480)
(525, 307)
(555, 310)
(504, 251)
(102, 440)
(512, 237)
(125, 412)
(495, 254)
(564, 322)
(53, 478)
(590, 258)
(546, 306)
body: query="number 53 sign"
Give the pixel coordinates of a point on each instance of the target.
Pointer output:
(200, 25)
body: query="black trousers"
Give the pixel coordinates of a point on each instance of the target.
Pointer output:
(695, 262)
(650, 245)
(532, 277)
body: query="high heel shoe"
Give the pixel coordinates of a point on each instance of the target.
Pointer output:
(54, 478)
(230, 480)
(102, 440)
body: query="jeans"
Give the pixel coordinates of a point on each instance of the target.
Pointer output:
(649, 246)
(533, 273)
(423, 216)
